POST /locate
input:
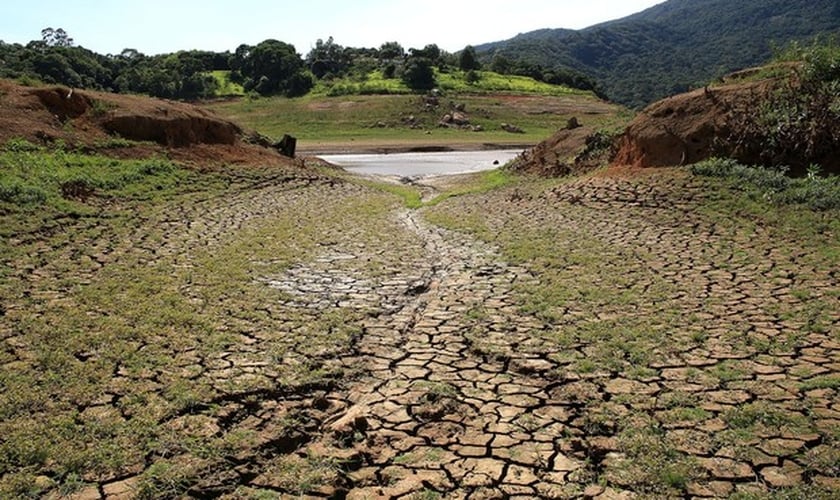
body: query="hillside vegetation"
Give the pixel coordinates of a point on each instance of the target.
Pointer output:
(321, 122)
(673, 46)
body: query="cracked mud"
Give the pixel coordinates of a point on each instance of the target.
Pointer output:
(409, 361)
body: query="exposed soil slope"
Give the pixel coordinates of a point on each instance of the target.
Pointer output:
(687, 128)
(93, 120)
(572, 150)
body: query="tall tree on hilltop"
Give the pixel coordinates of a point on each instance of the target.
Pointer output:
(56, 38)
(468, 61)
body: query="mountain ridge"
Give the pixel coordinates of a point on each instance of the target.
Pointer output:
(673, 46)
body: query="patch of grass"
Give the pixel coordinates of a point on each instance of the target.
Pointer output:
(728, 371)
(409, 195)
(426, 494)
(821, 382)
(774, 185)
(20, 145)
(319, 120)
(449, 81)
(480, 183)
(651, 466)
(226, 87)
(299, 475)
(57, 181)
(762, 414)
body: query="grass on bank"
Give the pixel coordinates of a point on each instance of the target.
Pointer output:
(411, 197)
(814, 192)
(403, 119)
(450, 81)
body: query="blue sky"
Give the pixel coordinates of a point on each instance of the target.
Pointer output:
(158, 26)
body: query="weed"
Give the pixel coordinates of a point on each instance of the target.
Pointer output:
(773, 185)
(165, 479)
(100, 108)
(426, 494)
(751, 415)
(821, 382)
(651, 465)
(20, 145)
(299, 475)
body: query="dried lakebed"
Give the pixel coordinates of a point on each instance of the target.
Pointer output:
(369, 351)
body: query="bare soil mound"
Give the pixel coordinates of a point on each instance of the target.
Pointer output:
(689, 127)
(572, 150)
(122, 125)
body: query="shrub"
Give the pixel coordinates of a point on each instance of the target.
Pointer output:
(20, 145)
(17, 192)
(772, 184)
(795, 124)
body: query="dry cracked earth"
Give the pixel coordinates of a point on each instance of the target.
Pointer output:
(659, 352)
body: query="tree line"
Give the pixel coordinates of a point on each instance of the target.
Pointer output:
(271, 67)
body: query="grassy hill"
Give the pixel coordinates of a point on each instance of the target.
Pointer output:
(322, 122)
(373, 111)
(675, 45)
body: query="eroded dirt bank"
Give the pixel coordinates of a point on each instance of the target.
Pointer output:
(386, 356)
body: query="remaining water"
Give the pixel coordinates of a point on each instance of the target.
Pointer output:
(423, 164)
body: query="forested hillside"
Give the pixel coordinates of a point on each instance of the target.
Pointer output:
(271, 67)
(672, 46)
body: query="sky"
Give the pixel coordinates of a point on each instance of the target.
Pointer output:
(163, 26)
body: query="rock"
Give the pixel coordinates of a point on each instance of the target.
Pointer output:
(459, 118)
(573, 123)
(512, 129)
(286, 146)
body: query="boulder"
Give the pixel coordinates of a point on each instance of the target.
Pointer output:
(460, 118)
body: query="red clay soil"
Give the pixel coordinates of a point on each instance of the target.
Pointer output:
(564, 153)
(92, 120)
(686, 128)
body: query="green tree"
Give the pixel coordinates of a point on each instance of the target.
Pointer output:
(418, 73)
(390, 51)
(328, 59)
(274, 67)
(431, 52)
(468, 61)
(501, 64)
(56, 38)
